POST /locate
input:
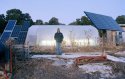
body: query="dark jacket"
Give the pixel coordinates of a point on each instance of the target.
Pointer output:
(58, 37)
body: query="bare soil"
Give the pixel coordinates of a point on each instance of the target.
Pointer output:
(43, 69)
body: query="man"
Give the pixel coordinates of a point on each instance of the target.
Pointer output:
(59, 38)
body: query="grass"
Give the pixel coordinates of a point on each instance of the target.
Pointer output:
(75, 49)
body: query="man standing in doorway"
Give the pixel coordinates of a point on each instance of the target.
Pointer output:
(59, 38)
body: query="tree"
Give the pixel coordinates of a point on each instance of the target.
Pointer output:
(27, 17)
(16, 14)
(121, 19)
(53, 21)
(85, 21)
(82, 21)
(77, 22)
(39, 22)
(73, 23)
(2, 22)
(46, 23)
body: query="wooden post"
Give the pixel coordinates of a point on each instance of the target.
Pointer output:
(113, 38)
(103, 42)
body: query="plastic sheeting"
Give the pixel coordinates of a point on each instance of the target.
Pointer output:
(43, 35)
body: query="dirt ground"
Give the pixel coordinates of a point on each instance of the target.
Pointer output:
(43, 69)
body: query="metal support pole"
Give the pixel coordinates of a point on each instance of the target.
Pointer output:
(10, 60)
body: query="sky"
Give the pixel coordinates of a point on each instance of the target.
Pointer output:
(66, 11)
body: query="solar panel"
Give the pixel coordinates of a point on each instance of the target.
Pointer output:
(25, 26)
(16, 31)
(23, 33)
(21, 37)
(7, 31)
(10, 25)
(5, 36)
(103, 22)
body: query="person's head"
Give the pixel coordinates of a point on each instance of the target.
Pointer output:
(58, 30)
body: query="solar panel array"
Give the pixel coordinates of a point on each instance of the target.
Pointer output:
(26, 25)
(21, 37)
(16, 31)
(23, 33)
(5, 36)
(103, 22)
(10, 25)
(8, 30)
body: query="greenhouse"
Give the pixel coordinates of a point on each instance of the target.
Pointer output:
(43, 35)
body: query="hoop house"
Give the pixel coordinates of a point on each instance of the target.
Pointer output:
(43, 35)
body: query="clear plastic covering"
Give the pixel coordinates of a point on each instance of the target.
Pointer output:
(43, 35)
